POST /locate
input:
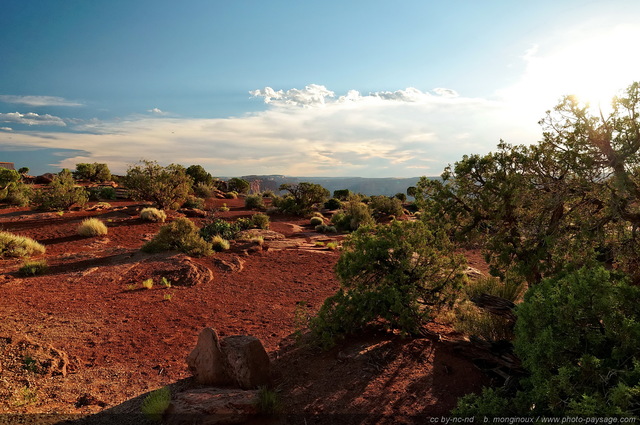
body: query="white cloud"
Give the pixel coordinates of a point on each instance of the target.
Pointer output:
(38, 100)
(6, 129)
(31, 118)
(402, 133)
(157, 111)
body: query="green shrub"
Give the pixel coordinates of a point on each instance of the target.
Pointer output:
(17, 193)
(219, 244)
(385, 206)
(33, 268)
(203, 190)
(333, 204)
(401, 197)
(231, 195)
(147, 283)
(355, 215)
(156, 403)
(244, 223)
(261, 221)
(219, 227)
(18, 246)
(315, 221)
(302, 197)
(254, 202)
(342, 194)
(182, 235)
(238, 185)
(223, 208)
(168, 187)
(323, 228)
(268, 194)
(107, 192)
(61, 194)
(577, 335)
(400, 273)
(153, 214)
(199, 175)
(92, 227)
(193, 202)
(95, 172)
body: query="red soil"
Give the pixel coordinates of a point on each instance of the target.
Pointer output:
(123, 343)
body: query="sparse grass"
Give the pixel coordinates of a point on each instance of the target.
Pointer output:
(219, 243)
(268, 401)
(18, 246)
(153, 214)
(92, 227)
(167, 297)
(261, 221)
(223, 208)
(26, 396)
(33, 268)
(147, 284)
(319, 243)
(323, 228)
(332, 246)
(155, 404)
(165, 282)
(30, 364)
(254, 202)
(131, 287)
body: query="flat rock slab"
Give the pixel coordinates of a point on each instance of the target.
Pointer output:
(212, 406)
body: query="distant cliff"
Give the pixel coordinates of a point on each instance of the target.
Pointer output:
(367, 186)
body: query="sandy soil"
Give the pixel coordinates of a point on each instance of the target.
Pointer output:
(80, 339)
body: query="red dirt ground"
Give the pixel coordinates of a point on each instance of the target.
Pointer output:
(123, 343)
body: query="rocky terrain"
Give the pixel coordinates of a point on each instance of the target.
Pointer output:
(86, 337)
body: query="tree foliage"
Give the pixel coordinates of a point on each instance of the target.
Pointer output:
(238, 185)
(303, 197)
(168, 187)
(399, 272)
(61, 193)
(577, 335)
(538, 207)
(199, 175)
(95, 172)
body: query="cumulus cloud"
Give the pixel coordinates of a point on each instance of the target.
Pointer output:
(31, 118)
(403, 133)
(6, 129)
(38, 100)
(157, 111)
(311, 95)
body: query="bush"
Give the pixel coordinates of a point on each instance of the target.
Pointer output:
(92, 227)
(400, 273)
(355, 215)
(323, 228)
(238, 185)
(268, 194)
(577, 335)
(18, 246)
(315, 221)
(219, 244)
(61, 194)
(304, 195)
(204, 190)
(254, 202)
(199, 175)
(182, 235)
(17, 193)
(33, 268)
(168, 187)
(220, 228)
(384, 206)
(401, 196)
(107, 192)
(193, 202)
(333, 204)
(231, 195)
(153, 214)
(93, 172)
(342, 194)
(261, 221)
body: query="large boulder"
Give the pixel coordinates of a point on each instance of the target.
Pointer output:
(212, 406)
(207, 362)
(247, 361)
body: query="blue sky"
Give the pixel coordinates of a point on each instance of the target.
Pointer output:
(332, 88)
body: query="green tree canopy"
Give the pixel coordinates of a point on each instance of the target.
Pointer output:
(199, 174)
(95, 172)
(168, 187)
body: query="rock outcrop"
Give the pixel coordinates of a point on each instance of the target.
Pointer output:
(212, 406)
(207, 362)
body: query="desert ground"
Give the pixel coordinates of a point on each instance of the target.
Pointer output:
(86, 337)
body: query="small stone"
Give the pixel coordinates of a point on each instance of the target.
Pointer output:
(247, 361)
